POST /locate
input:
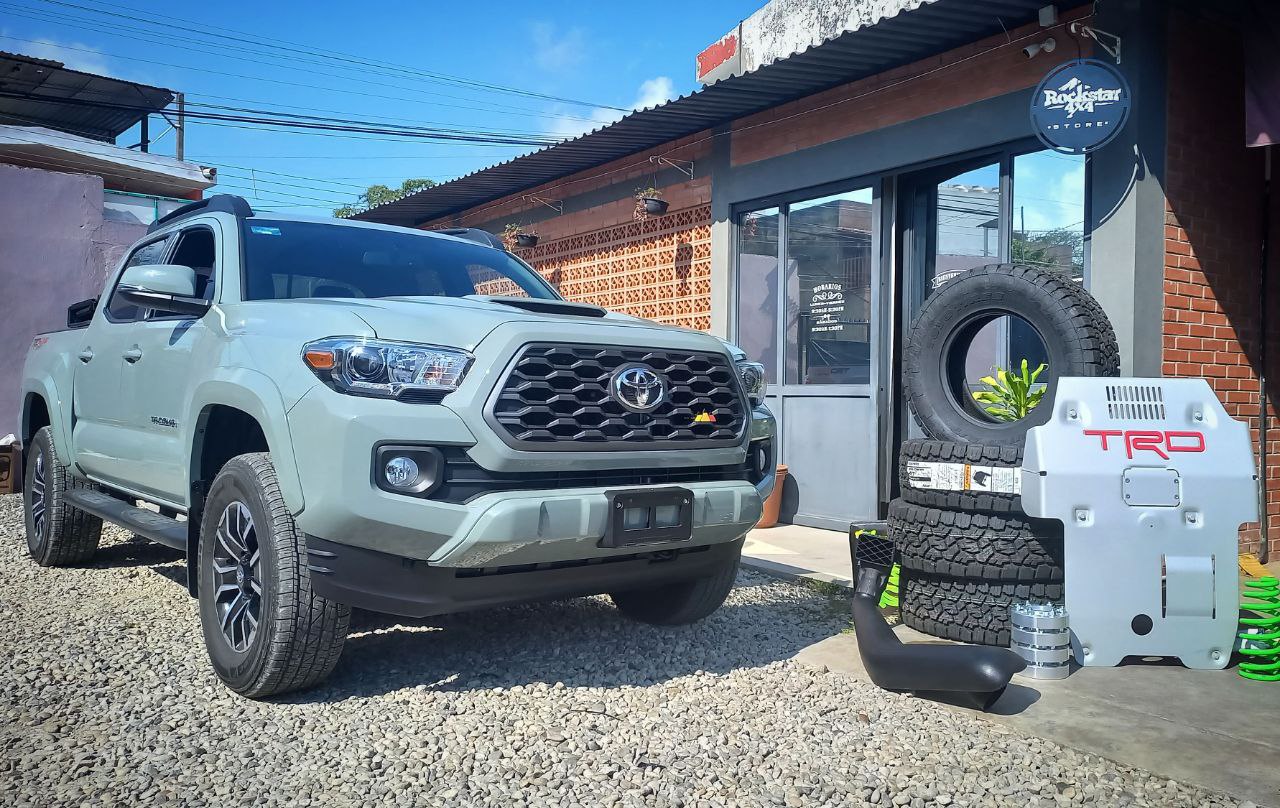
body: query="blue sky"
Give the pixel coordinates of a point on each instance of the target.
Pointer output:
(612, 54)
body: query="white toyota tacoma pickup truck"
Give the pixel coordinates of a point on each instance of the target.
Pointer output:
(328, 414)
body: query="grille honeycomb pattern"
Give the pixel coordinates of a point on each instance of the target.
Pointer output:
(558, 397)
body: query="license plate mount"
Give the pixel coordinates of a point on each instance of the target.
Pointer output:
(648, 516)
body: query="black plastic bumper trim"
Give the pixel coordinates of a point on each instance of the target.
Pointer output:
(382, 582)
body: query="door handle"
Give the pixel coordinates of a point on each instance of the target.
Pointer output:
(132, 355)
(85, 355)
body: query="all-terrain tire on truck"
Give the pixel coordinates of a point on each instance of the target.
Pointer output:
(57, 533)
(1076, 335)
(983, 547)
(679, 603)
(267, 633)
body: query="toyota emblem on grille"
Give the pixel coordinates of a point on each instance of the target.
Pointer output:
(638, 388)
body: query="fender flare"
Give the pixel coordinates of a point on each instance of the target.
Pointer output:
(254, 393)
(59, 413)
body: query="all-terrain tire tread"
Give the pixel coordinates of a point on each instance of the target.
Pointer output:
(73, 534)
(309, 630)
(945, 451)
(986, 547)
(966, 610)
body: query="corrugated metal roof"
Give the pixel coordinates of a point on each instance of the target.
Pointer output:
(45, 77)
(910, 36)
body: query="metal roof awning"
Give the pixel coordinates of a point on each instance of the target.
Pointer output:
(932, 28)
(26, 75)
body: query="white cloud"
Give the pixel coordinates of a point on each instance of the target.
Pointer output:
(569, 122)
(655, 91)
(554, 51)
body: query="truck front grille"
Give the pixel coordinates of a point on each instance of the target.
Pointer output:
(558, 397)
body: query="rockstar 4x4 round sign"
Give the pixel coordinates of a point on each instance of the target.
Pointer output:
(1080, 106)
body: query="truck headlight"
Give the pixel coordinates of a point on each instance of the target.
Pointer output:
(384, 369)
(752, 375)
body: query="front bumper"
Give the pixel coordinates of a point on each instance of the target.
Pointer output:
(343, 506)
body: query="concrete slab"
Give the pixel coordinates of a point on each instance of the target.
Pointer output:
(795, 551)
(1210, 728)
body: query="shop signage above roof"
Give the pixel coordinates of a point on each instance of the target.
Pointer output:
(1080, 106)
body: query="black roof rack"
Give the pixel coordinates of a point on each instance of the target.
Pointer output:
(474, 234)
(218, 203)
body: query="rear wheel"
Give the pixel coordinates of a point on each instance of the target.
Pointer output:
(57, 533)
(679, 603)
(265, 630)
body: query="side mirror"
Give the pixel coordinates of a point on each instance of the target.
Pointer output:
(79, 314)
(168, 288)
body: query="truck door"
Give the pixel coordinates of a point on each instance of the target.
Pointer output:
(100, 406)
(157, 375)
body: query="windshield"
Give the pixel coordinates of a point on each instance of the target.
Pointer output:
(285, 260)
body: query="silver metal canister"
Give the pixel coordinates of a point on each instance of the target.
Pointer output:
(1039, 634)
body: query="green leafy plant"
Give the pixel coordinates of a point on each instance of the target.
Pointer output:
(1011, 395)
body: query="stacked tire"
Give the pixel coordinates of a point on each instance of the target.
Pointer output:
(966, 547)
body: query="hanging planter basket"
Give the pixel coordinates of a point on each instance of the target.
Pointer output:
(526, 240)
(654, 206)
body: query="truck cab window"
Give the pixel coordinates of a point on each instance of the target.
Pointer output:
(121, 310)
(196, 249)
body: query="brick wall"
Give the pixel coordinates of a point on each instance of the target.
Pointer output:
(1213, 188)
(658, 268)
(947, 81)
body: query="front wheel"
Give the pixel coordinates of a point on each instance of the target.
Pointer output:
(57, 533)
(265, 630)
(679, 603)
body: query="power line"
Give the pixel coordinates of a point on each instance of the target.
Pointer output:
(308, 50)
(311, 122)
(275, 81)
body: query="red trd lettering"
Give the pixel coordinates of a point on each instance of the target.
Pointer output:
(1103, 434)
(1196, 441)
(1150, 441)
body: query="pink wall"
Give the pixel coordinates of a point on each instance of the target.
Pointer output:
(55, 249)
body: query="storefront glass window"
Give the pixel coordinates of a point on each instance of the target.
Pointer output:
(828, 289)
(758, 288)
(1048, 211)
(966, 222)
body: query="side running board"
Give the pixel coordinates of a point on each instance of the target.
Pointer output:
(147, 524)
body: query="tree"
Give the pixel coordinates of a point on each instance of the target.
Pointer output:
(376, 195)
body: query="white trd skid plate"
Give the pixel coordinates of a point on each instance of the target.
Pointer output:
(1152, 481)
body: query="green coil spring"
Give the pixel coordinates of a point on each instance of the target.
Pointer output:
(889, 597)
(1260, 637)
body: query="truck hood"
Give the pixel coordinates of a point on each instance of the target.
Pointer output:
(464, 322)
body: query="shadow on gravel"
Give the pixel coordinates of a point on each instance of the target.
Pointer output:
(582, 643)
(137, 552)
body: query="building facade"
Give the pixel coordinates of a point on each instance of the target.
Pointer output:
(817, 197)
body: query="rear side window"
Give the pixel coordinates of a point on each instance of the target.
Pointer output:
(121, 310)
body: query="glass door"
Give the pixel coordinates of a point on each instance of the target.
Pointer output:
(806, 304)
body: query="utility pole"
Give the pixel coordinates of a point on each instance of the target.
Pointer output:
(145, 144)
(182, 125)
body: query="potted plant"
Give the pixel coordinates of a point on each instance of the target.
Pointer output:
(516, 237)
(649, 202)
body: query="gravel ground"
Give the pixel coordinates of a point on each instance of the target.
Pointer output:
(106, 698)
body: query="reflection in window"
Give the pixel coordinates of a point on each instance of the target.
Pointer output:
(966, 223)
(828, 283)
(758, 288)
(1048, 211)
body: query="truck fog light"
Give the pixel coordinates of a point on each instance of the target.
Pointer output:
(401, 472)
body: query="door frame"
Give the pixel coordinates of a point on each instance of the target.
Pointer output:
(778, 392)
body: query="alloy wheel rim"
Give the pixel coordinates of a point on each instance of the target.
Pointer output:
(39, 506)
(237, 577)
